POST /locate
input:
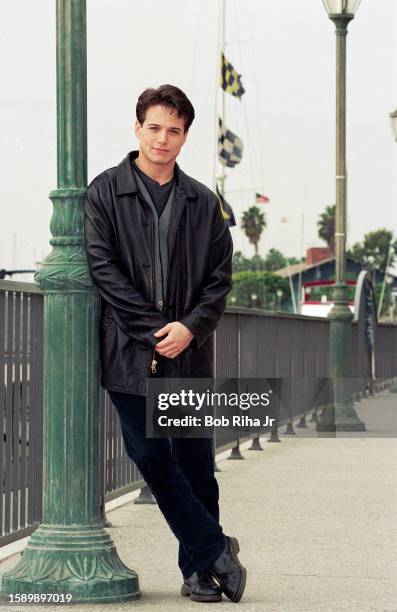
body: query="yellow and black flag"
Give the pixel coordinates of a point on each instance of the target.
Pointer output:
(230, 79)
(226, 209)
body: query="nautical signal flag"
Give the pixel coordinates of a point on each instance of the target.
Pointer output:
(230, 80)
(226, 209)
(230, 147)
(261, 199)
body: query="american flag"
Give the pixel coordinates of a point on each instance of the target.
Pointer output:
(261, 199)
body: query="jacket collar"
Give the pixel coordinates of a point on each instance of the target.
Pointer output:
(126, 182)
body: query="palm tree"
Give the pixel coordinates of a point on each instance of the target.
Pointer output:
(253, 223)
(326, 226)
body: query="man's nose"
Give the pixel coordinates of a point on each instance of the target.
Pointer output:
(162, 136)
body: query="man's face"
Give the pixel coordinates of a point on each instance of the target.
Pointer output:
(162, 135)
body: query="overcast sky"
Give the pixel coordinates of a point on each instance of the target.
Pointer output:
(286, 56)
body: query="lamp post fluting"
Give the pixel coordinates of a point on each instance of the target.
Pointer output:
(70, 553)
(340, 415)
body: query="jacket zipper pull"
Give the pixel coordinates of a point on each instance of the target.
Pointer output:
(154, 363)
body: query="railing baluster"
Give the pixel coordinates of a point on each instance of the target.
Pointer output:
(24, 406)
(16, 409)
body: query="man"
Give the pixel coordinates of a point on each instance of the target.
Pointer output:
(160, 253)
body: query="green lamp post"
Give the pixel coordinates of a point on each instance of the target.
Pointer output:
(340, 415)
(70, 552)
(393, 118)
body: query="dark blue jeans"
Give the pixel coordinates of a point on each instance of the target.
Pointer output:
(180, 474)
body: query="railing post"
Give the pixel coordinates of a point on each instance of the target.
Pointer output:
(289, 429)
(256, 443)
(235, 454)
(70, 552)
(145, 496)
(276, 386)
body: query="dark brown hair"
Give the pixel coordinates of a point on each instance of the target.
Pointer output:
(168, 96)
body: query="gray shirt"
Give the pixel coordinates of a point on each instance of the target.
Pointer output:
(158, 193)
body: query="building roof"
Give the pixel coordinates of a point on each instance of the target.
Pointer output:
(300, 267)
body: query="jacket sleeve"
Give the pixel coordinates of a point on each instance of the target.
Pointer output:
(204, 318)
(135, 316)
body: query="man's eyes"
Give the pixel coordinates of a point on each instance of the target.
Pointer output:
(155, 129)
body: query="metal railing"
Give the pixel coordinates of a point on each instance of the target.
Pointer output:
(248, 344)
(21, 400)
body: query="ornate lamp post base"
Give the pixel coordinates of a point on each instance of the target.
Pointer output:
(340, 414)
(340, 417)
(81, 562)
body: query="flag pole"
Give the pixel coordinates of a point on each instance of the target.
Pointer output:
(300, 272)
(216, 97)
(291, 286)
(223, 111)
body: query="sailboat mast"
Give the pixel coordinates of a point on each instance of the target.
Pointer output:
(223, 111)
(217, 111)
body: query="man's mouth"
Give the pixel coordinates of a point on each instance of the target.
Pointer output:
(161, 150)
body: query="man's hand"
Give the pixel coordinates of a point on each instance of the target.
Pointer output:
(178, 338)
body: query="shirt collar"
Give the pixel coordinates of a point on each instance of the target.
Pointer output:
(126, 181)
(148, 179)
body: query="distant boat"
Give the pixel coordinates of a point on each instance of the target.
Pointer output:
(317, 303)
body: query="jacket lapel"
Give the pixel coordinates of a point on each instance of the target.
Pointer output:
(184, 190)
(126, 181)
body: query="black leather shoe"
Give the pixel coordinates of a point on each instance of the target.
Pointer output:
(201, 587)
(229, 572)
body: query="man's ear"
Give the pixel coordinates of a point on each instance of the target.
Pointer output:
(137, 127)
(185, 136)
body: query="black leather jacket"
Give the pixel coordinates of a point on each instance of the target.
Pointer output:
(119, 234)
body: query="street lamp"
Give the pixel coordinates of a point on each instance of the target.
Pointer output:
(393, 117)
(371, 266)
(338, 8)
(386, 279)
(341, 416)
(254, 297)
(279, 293)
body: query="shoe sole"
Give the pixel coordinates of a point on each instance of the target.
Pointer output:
(235, 548)
(186, 592)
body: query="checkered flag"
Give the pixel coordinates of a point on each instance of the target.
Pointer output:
(230, 147)
(230, 80)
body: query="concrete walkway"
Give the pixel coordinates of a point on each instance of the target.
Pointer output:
(316, 519)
